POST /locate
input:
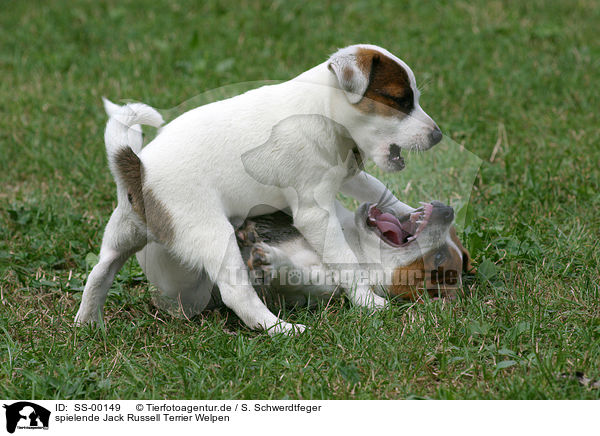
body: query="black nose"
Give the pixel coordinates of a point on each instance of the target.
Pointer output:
(441, 212)
(435, 136)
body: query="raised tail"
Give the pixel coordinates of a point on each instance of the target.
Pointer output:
(123, 141)
(122, 129)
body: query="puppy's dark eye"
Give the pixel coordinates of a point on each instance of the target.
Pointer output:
(404, 102)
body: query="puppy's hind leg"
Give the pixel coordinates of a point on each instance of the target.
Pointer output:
(212, 246)
(122, 238)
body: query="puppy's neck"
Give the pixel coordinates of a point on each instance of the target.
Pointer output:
(320, 93)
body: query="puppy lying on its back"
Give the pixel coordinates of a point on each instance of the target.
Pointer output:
(287, 269)
(400, 257)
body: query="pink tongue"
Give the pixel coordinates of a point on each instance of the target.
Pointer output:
(389, 226)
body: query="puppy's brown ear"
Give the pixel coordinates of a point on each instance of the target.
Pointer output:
(352, 71)
(467, 266)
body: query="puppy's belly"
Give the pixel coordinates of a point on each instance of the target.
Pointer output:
(253, 202)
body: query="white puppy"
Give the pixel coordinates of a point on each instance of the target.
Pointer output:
(296, 145)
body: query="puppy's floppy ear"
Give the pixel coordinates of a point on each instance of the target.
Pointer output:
(467, 266)
(352, 72)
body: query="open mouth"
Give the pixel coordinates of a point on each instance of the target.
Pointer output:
(399, 232)
(395, 157)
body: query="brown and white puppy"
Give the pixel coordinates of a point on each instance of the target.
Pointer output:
(291, 145)
(400, 258)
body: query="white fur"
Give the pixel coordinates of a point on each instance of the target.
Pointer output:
(123, 129)
(284, 145)
(134, 132)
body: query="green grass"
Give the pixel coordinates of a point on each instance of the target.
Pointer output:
(512, 81)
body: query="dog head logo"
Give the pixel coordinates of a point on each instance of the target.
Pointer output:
(26, 415)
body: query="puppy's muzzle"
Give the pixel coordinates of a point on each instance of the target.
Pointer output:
(441, 213)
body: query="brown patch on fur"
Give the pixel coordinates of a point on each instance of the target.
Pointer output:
(158, 218)
(348, 74)
(467, 266)
(143, 201)
(407, 281)
(130, 172)
(389, 92)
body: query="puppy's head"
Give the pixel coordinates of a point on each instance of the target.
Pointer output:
(439, 272)
(421, 249)
(382, 111)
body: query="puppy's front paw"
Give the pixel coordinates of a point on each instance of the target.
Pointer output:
(369, 300)
(379, 302)
(84, 317)
(261, 258)
(286, 328)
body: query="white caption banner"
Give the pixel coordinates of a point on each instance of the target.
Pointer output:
(250, 417)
